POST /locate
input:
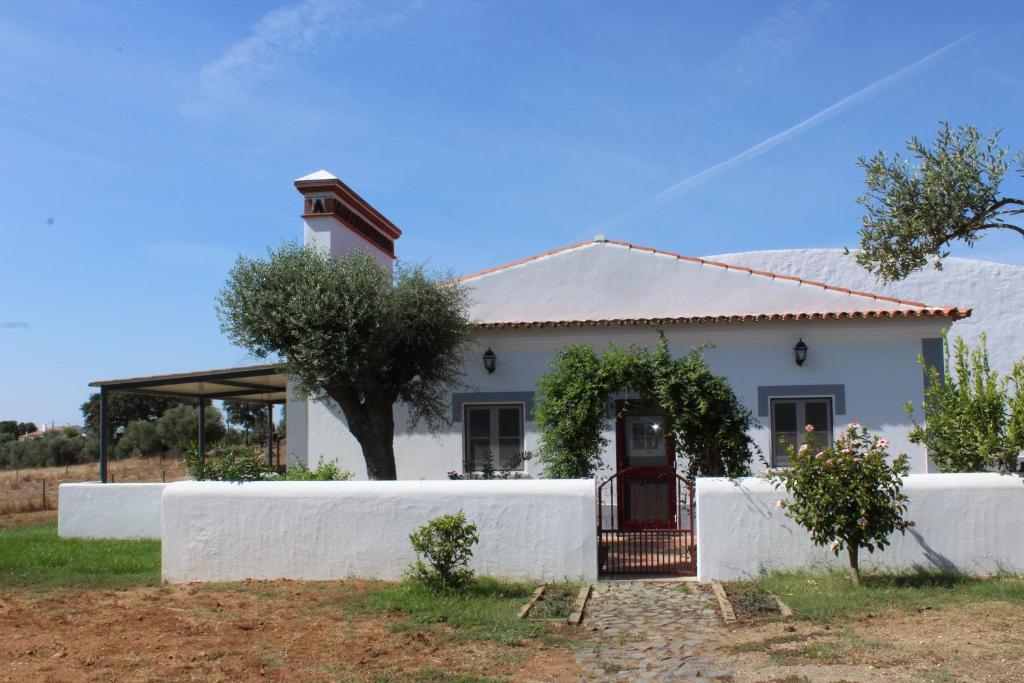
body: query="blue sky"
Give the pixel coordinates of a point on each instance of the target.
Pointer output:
(143, 146)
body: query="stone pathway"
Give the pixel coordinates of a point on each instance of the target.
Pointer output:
(652, 631)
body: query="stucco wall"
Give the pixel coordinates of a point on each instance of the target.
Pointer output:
(94, 510)
(875, 361)
(964, 522)
(214, 531)
(989, 288)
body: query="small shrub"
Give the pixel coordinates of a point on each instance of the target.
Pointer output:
(325, 471)
(446, 543)
(488, 471)
(227, 464)
(847, 496)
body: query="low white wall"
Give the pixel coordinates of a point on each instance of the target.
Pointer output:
(964, 522)
(94, 510)
(214, 531)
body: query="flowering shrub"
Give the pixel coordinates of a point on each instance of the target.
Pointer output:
(446, 543)
(848, 496)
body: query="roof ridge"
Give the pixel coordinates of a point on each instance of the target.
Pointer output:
(701, 261)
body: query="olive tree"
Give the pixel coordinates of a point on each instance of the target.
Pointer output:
(353, 331)
(951, 193)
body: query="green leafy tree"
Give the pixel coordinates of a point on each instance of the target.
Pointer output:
(179, 425)
(973, 422)
(26, 428)
(251, 417)
(124, 407)
(848, 496)
(9, 427)
(951, 194)
(141, 438)
(708, 424)
(444, 547)
(351, 330)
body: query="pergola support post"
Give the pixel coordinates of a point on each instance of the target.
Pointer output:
(104, 432)
(201, 436)
(270, 434)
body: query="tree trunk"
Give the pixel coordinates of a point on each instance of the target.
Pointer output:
(851, 550)
(372, 422)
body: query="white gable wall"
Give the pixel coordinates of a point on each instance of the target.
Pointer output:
(874, 360)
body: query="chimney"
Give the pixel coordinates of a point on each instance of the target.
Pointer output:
(340, 221)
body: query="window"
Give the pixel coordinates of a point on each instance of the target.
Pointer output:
(790, 416)
(493, 432)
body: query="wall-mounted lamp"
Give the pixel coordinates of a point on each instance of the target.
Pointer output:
(490, 361)
(800, 352)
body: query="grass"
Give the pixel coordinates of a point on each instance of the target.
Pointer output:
(486, 610)
(556, 602)
(34, 556)
(829, 597)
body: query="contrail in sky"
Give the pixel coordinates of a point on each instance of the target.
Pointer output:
(689, 182)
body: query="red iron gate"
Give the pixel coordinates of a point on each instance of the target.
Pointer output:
(645, 523)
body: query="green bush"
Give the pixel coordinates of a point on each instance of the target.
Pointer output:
(225, 463)
(446, 544)
(178, 426)
(848, 496)
(50, 450)
(141, 437)
(325, 471)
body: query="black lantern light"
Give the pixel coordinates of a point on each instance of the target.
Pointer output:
(800, 352)
(490, 360)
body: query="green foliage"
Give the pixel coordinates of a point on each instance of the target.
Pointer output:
(225, 463)
(848, 496)
(952, 194)
(49, 450)
(126, 407)
(178, 426)
(974, 419)
(140, 438)
(488, 471)
(706, 420)
(325, 471)
(16, 429)
(446, 543)
(36, 557)
(352, 331)
(251, 417)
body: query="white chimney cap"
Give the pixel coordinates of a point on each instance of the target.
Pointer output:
(322, 174)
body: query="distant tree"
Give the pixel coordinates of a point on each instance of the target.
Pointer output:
(126, 407)
(142, 437)
(179, 426)
(952, 194)
(352, 331)
(27, 428)
(250, 417)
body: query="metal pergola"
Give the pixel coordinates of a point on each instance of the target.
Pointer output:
(263, 384)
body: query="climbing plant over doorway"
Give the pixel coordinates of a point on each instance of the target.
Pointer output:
(701, 412)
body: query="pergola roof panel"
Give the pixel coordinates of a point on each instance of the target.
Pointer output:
(254, 383)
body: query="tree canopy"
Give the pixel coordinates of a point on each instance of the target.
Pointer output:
(351, 330)
(125, 407)
(709, 425)
(951, 193)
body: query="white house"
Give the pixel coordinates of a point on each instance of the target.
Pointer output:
(861, 360)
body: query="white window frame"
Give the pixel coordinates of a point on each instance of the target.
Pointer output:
(493, 408)
(801, 420)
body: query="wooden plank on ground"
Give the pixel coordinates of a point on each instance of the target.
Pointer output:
(576, 616)
(525, 609)
(728, 615)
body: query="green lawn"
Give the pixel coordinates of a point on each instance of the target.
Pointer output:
(828, 597)
(34, 556)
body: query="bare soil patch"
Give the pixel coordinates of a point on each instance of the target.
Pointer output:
(972, 642)
(281, 631)
(23, 490)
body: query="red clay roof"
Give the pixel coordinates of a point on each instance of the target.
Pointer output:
(694, 259)
(922, 312)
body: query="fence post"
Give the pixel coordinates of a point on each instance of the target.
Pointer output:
(44, 494)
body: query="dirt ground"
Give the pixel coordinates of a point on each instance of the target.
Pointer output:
(279, 631)
(22, 490)
(977, 642)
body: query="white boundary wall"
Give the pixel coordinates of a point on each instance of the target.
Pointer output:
(95, 510)
(964, 522)
(214, 531)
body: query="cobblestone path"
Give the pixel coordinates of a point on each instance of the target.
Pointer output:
(652, 631)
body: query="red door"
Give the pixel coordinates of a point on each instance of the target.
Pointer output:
(646, 473)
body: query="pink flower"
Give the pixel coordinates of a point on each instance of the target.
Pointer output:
(910, 523)
(779, 504)
(856, 460)
(882, 443)
(834, 546)
(846, 449)
(830, 461)
(853, 425)
(803, 447)
(819, 454)
(809, 428)
(863, 521)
